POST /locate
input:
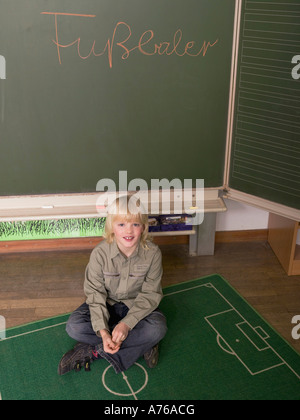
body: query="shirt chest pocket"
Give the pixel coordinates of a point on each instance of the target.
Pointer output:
(139, 272)
(137, 276)
(112, 281)
(136, 280)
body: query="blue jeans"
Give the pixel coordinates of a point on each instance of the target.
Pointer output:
(145, 335)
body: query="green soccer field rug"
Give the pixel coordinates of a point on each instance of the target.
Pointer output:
(217, 348)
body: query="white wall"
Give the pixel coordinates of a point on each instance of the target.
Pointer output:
(240, 216)
(243, 217)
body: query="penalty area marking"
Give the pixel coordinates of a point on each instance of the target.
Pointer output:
(132, 392)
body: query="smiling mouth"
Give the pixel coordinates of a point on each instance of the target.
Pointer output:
(128, 238)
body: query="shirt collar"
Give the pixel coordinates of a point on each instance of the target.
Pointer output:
(114, 250)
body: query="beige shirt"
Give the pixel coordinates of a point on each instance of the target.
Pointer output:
(111, 277)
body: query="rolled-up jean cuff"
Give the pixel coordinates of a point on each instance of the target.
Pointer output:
(108, 358)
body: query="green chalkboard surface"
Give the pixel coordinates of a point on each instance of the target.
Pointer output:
(265, 159)
(94, 87)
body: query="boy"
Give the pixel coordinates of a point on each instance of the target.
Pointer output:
(120, 321)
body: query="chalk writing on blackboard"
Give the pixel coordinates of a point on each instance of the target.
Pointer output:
(147, 45)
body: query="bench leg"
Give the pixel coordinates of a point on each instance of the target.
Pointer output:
(203, 242)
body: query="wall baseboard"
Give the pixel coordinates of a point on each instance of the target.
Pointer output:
(242, 236)
(81, 244)
(46, 245)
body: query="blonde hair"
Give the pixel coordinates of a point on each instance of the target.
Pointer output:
(127, 208)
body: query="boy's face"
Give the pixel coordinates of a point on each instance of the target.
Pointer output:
(127, 234)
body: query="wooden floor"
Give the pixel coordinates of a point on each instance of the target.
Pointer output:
(39, 285)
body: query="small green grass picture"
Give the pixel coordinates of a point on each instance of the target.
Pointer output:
(51, 229)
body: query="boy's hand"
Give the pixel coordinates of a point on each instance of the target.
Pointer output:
(109, 346)
(120, 333)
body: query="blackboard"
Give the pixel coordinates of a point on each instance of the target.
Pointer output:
(265, 160)
(94, 87)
